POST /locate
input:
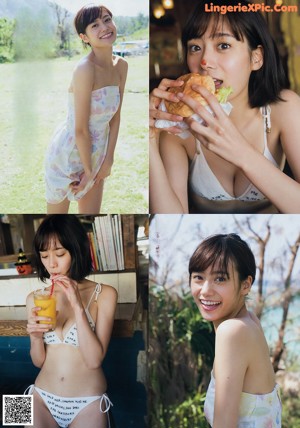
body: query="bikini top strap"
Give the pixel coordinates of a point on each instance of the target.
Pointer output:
(266, 113)
(96, 292)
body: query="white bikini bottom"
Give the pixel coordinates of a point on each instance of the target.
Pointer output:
(65, 409)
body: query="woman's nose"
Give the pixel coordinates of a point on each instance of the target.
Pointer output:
(207, 61)
(206, 288)
(52, 261)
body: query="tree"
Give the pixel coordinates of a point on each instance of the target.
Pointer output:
(262, 242)
(7, 28)
(286, 300)
(288, 258)
(63, 26)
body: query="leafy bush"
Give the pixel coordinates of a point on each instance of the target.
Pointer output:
(189, 414)
(181, 349)
(7, 51)
(290, 412)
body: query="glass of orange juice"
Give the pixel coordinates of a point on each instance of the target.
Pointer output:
(47, 302)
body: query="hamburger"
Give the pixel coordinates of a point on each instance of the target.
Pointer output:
(190, 79)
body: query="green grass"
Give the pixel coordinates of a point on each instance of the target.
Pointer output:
(33, 103)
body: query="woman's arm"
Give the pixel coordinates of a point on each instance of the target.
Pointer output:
(168, 169)
(35, 331)
(231, 362)
(114, 125)
(222, 137)
(92, 346)
(82, 82)
(168, 179)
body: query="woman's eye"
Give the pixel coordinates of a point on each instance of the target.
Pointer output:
(194, 48)
(60, 255)
(220, 279)
(94, 25)
(224, 46)
(107, 19)
(197, 277)
(43, 257)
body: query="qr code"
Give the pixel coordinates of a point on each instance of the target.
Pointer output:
(17, 410)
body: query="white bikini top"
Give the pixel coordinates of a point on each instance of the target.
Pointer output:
(51, 337)
(204, 183)
(256, 410)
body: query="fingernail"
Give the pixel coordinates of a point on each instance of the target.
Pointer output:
(180, 95)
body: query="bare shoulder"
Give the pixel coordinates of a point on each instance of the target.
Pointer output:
(109, 292)
(287, 109)
(233, 330)
(122, 67)
(83, 72)
(120, 62)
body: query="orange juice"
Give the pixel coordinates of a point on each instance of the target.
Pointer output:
(47, 304)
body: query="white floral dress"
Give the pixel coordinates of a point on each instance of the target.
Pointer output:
(62, 164)
(256, 410)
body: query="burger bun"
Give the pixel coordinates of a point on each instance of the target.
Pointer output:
(180, 108)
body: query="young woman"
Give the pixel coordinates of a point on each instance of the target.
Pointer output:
(81, 153)
(231, 164)
(242, 391)
(70, 356)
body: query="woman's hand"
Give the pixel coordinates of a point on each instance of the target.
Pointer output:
(35, 325)
(104, 170)
(69, 288)
(78, 186)
(156, 96)
(218, 134)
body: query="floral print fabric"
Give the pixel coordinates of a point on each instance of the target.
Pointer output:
(256, 411)
(62, 164)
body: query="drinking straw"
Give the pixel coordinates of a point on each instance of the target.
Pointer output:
(52, 288)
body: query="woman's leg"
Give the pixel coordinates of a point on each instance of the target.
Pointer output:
(90, 417)
(41, 414)
(61, 208)
(90, 203)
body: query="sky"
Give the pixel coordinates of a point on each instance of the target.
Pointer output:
(117, 7)
(174, 238)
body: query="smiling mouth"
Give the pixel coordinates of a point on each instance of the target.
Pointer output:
(106, 36)
(209, 304)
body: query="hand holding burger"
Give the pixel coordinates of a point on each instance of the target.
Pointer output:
(182, 109)
(195, 79)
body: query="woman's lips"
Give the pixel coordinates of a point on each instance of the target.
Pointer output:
(107, 36)
(209, 305)
(218, 83)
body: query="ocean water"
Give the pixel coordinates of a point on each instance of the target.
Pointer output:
(271, 321)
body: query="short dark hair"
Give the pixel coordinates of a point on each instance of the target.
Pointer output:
(265, 84)
(219, 250)
(71, 234)
(88, 14)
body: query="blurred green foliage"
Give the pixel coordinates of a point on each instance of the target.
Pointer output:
(181, 356)
(7, 52)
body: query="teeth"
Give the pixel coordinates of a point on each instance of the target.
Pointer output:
(209, 302)
(106, 35)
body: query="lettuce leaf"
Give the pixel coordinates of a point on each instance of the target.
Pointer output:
(223, 93)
